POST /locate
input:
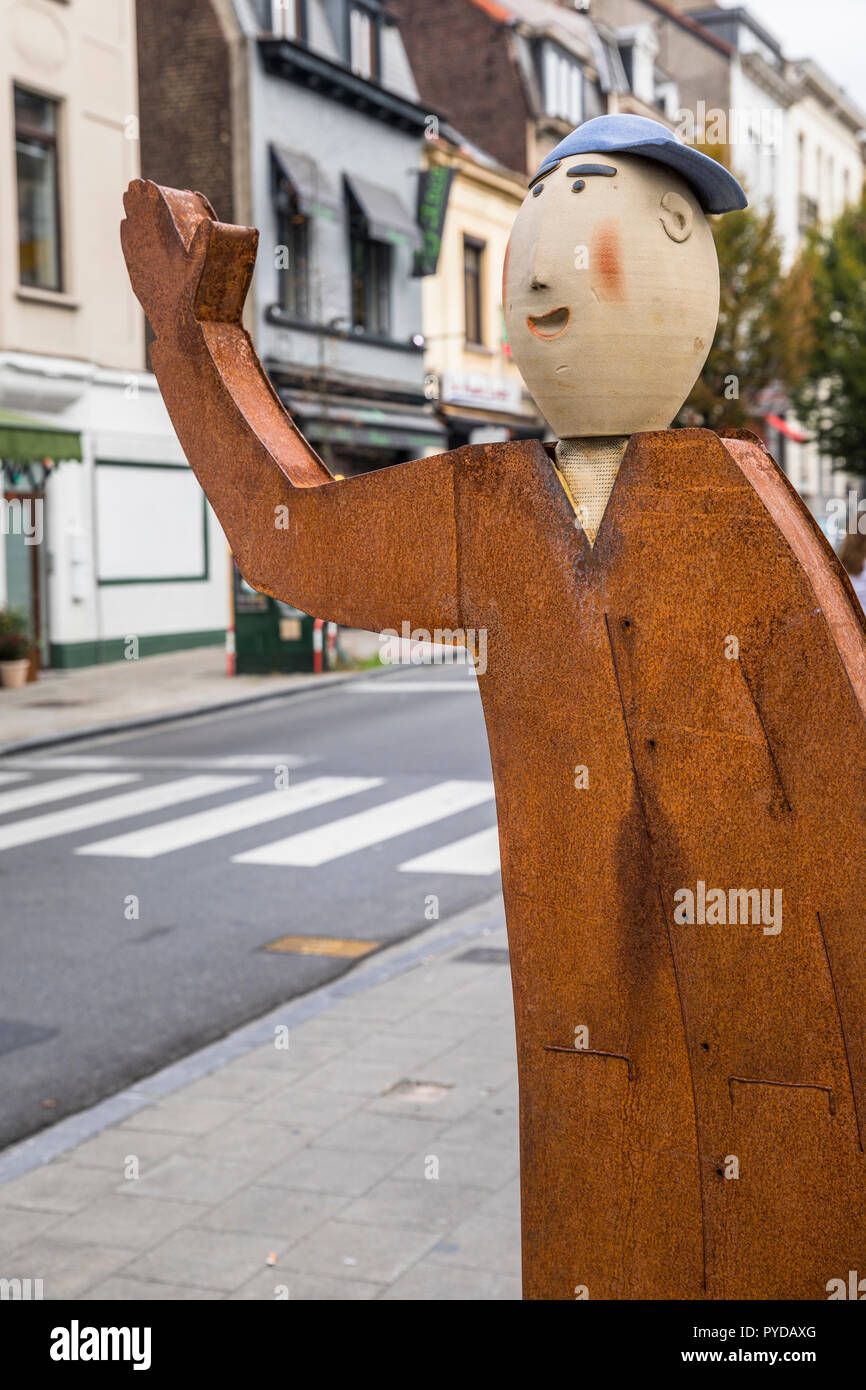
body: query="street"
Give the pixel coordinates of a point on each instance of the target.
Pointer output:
(145, 876)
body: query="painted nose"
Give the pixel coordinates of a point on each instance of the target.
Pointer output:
(542, 263)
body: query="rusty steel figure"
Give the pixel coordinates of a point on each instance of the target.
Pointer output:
(675, 713)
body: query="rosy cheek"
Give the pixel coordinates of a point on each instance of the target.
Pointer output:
(607, 259)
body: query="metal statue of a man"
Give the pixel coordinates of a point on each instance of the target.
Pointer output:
(674, 696)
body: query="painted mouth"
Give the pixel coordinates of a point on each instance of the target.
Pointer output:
(549, 325)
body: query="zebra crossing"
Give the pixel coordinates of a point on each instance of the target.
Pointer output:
(108, 790)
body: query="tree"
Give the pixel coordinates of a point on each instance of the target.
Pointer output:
(831, 396)
(751, 349)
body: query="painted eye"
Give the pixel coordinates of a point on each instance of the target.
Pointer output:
(578, 185)
(539, 188)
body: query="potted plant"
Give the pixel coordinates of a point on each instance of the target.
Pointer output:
(14, 647)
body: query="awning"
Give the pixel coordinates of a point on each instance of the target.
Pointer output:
(26, 440)
(387, 218)
(777, 423)
(315, 193)
(367, 423)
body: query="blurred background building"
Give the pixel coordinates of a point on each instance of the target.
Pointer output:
(129, 547)
(382, 149)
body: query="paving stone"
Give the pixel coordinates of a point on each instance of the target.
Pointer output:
(183, 1177)
(454, 1102)
(304, 1288)
(481, 1242)
(479, 1166)
(504, 1204)
(56, 1187)
(208, 1259)
(432, 1206)
(248, 1141)
(355, 1078)
(352, 1250)
(429, 1283)
(18, 1225)
(66, 1267)
(330, 1170)
(285, 1061)
(248, 1084)
(176, 1115)
(281, 1215)
(134, 1224)
(302, 1106)
(113, 1147)
(367, 1131)
(120, 1288)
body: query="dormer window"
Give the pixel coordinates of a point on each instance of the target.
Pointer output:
(364, 41)
(563, 85)
(288, 20)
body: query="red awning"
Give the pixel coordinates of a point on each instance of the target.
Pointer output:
(783, 427)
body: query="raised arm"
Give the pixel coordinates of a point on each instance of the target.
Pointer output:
(368, 552)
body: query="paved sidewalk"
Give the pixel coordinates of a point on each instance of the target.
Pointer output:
(374, 1157)
(70, 703)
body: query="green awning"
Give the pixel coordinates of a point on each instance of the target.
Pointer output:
(26, 440)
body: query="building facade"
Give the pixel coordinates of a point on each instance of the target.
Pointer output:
(471, 378)
(122, 556)
(319, 135)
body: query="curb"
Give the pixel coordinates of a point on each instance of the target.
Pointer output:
(145, 721)
(385, 965)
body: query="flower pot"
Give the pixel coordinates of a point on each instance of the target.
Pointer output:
(14, 673)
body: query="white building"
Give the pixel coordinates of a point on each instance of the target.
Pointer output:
(125, 547)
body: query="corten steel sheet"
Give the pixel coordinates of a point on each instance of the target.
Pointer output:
(707, 1047)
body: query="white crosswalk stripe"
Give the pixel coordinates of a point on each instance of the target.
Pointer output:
(310, 848)
(227, 820)
(37, 793)
(137, 803)
(476, 854)
(91, 762)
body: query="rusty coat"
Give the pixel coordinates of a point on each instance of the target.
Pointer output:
(705, 662)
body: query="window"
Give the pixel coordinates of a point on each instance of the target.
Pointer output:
(293, 258)
(473, 263)
(363, 42)
(36, 123)
(563, 96)
(288, 19)
(370, 263)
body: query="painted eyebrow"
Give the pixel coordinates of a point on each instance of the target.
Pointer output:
(544, 174)
(578, 170)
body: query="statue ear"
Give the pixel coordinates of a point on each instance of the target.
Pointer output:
(676, 216)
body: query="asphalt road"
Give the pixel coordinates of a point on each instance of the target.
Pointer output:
(93, 996)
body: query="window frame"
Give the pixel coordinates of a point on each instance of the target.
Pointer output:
(478, 248)
(299, 10)
(374, 17)
(48, 140)
(377, 275)
(293, 288)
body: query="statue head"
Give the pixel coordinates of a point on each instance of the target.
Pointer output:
(611, 283)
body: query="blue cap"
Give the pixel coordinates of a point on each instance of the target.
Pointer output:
(715, 188)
